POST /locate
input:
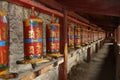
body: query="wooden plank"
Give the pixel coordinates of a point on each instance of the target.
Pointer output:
(45, 69)
(39, 69)
(63, 47)
(29, 76)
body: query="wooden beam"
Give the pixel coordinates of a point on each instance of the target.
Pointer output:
(78, 17)
(38, 7)
(63, 47)
(51, 3)
(81, 23)
(102, 12)
(39, 70)
(93, 7)
(46, 10)
(55, 5)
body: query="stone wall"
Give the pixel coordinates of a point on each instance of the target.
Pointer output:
(16, 15)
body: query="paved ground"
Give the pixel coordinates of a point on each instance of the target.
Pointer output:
(101, 67)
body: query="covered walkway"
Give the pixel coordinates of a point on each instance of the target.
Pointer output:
(101, 67)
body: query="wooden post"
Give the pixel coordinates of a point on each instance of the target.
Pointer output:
(88, 54)
(96, 47)
(118, 54)
(63, 47)
(115, 35)
(118, 35)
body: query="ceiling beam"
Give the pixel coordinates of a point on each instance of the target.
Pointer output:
(52, 4)
(98, 12)
(104, 7)
(47, 10)
(55, 5)
(76, 16)
(38, 7)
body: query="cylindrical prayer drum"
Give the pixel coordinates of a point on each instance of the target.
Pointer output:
(87, 36)
(53, 37)
(82, 37)
(83, 31)
(3, 42)
(33, 47)
(77, 37)
(91, 36)
(95, 35)
(70, 36)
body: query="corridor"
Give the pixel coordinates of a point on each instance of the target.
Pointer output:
(101, 67)
(59, 40)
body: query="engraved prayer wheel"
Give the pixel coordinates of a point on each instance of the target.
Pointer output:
(92, 32)
(70, 36)
(77, 37)
(53, 37)
(87, 36)
(95, 35)
(33, 47)
(3, 43)
(91, 36)
(84, 35)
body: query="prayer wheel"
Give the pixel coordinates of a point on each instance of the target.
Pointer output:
(92, 35)
(53, 37)
(33, 37)
(3, 43)
(95, 35)
(77, 37)
(84, 36)
(70, 36)
(89, 36)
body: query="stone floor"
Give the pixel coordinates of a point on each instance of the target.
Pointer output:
(101, 67)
